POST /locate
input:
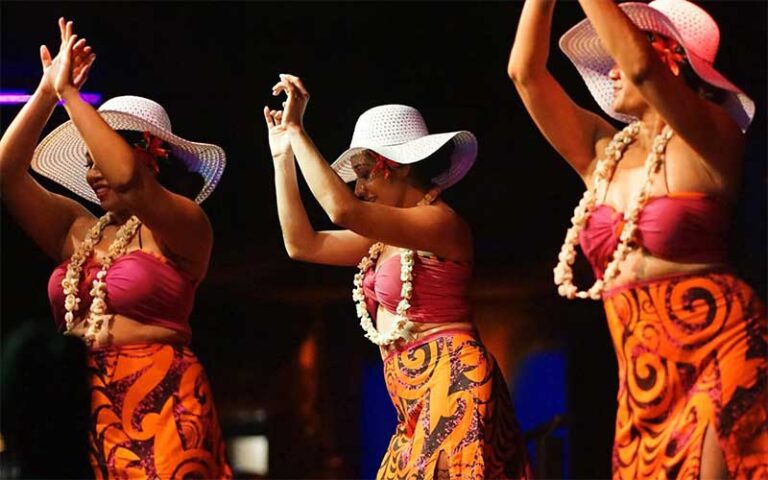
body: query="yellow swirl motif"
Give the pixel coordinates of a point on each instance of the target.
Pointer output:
(451, 398)
(152, 415)
(693, 355)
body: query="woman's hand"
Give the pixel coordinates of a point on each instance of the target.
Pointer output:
(70, 67)
(280, 123)
(279, 139)
(295, 103)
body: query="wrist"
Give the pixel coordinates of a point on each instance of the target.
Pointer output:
(46, 93)
(294, 129)
(68, 94)
(283, 156)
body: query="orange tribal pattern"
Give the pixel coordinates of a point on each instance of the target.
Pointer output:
(152, 415)
(693, 354)
(450, 397)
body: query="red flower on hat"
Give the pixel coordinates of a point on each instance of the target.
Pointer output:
(669, 51)
(151, 148)
(383, 164)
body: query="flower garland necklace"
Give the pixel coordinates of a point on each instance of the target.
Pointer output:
(96, 316)
(402, 325)
(627, 239)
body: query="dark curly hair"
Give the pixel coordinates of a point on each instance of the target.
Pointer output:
(424, 171)
(173, 173)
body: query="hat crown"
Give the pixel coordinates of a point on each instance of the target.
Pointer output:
(699, 31)
(140, 107)
(388, 125)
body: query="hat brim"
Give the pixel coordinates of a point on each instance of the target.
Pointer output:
(462, 157)
(583, 47)
(60, 156)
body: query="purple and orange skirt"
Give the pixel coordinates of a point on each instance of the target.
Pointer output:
(693, 356)
(451, 400)
(152, 415)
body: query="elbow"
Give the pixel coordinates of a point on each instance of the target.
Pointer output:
(515, 72)
(293, 251)
(522, 74)
(340, 214)
(300, 251)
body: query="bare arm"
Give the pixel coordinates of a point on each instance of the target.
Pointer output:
(433, 228)
(429, 227)
(46, 217)
(544, 98)
(178, 223)
(705, 127)
(302, 242)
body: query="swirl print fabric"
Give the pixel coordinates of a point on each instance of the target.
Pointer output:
(692, 356)
(451, 397)
(152, 415)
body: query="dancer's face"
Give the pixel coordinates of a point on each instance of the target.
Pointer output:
(375, 184)
(104, 192)
(626, 96)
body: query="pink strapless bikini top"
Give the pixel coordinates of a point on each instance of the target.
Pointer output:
(684, 227)
(440, 289)
(142, 286)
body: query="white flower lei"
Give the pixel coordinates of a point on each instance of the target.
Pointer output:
(402, 327)
(97, 314)
(603, 173)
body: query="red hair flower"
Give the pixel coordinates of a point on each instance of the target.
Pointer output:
(151, 148)
(383, 164)
(669, 51)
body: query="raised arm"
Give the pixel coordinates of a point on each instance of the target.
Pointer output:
(706, 127)
(570, 129)
(177, 223)
(45, 216)
(432, 228)
(302, 242)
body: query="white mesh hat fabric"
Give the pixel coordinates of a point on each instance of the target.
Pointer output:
(399, 133)
(692, 27)
(61, 155)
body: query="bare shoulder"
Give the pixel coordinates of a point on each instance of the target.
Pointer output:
(458, 233)
(77, 232)
(715, 171)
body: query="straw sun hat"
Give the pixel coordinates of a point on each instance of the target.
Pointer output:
(61, 155)
(686, 23)
(399, 133)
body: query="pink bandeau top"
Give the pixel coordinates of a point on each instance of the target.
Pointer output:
(142, 286)
(440, 289)
(686, 227)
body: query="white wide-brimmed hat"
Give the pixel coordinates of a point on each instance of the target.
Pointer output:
(61, 155)
(688, 24)
(399, 133)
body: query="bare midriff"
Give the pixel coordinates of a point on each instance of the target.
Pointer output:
(642, 266)
(125, 331)
(385, 321)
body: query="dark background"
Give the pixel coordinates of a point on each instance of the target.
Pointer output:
(211, 65)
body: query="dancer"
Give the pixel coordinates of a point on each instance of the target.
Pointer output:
(690, 337)
(127, 280)
(454, 412)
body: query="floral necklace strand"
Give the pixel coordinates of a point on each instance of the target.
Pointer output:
(627, 239)
(402, 325)
(97, 314)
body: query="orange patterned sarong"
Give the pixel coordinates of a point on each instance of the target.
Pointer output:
(692, 354)
(451, 397)
(152, 415)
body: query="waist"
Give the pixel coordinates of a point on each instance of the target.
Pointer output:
(123, 331)
(425, 333)
(616, 289)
